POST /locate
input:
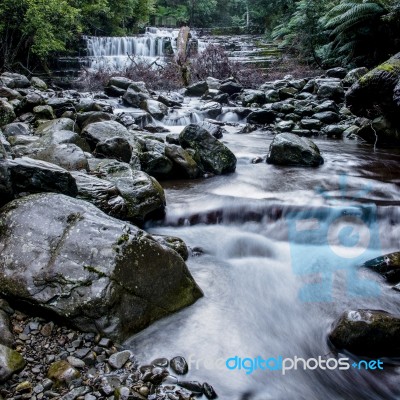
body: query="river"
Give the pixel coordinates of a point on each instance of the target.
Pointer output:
(251, 269)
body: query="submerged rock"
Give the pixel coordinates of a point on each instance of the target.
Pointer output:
(371, 333)
(179, 365)
(290, 149)
(100, 274)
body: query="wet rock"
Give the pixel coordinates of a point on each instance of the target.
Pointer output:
(211, 109)
(156, 164)
(387, 265)
(10, 362)
(310, 123)
(160, 362)
(155, 108)
(230, 87)
(135, 96)
(184, 166)
(170, 101)
(44, 112)
(354, 75)
(63, 137)
(250, 97)
(101, 131)
(68, 156)
(290, 149)
(7, 114)
(179, 365)
(215, 130)
(38, 83)
(15, 81)
(90, 117)
(9, 94)
(209, 391)
(30, 101)
(59, 124)
(333, 131)
(371, 333)
(62, 373)
(261, 117)
(75, 362)
(379, 131)
(210, 153)
(373, 94)
(114, 91)
(327, 105)
(173, 243)
(118, 360)
(337, 72)
(197, 89)
(94, 271)
(143, 195)
(287, 93)
(75, 393)
(193, 386)
(327, 117)
(33, 176)
(115, 147)
(271, 96)
(61, 105)
(120, 82)
(16, 128)
(330, 88)
(284, 126)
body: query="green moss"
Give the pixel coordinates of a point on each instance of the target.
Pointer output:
(15, 361)
(123, 239)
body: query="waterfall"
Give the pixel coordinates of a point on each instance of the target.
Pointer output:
(113, 52)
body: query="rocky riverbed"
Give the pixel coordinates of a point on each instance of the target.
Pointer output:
(80, 177)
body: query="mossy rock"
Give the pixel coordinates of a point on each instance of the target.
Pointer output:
(10, 362)
(373, 94)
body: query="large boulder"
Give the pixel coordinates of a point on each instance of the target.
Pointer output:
(120, 82)
(143, 195)
(371, 333)
(210, 154)
(290, 149)
(373, 94)
(96, 272)
(250, 97)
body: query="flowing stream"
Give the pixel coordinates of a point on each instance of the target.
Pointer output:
(255, 269)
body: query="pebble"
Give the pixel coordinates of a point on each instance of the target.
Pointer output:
(119, 359)
(76, 362)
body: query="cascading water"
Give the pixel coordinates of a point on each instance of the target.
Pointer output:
(246, 262)
(114, 52)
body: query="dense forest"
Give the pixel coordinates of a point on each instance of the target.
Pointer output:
(335, 32)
